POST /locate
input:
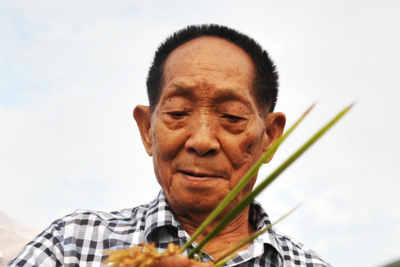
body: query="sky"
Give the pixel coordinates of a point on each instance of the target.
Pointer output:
(72, 72)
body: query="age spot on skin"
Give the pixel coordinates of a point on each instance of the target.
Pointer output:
(249, 148)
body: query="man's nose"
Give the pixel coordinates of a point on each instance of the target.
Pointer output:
(202, 139)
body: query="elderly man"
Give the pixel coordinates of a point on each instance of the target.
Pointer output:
(212, 93)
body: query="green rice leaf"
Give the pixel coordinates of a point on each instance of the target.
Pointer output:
(243, 182)
(249, 198)
(249, 239)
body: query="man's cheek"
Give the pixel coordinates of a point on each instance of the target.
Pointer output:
(247, 149)
(248, 142)
(165, 145)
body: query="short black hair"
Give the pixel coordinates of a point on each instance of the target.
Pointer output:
(265, 83)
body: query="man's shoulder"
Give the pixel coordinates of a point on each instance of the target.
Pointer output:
(293, 253)
(68, 237)
(296, 252)
(84, 217)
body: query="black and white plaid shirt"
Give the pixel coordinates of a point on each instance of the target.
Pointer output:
(79, 239)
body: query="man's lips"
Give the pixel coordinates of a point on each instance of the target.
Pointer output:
(201, 169)
(200, 174)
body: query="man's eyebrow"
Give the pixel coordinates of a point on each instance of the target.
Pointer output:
(178, 90)
(220, 96)
(230, 94)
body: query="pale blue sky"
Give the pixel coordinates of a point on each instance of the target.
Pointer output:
(71, 74)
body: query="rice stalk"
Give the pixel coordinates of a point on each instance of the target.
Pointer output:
(147, 255)
(250, 197)
(243, 182)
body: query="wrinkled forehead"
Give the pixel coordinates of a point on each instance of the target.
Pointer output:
(210, 58)
(209, 50)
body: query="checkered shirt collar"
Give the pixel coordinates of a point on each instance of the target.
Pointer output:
(160, 215)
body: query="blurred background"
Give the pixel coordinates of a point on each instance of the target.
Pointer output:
(72, 72)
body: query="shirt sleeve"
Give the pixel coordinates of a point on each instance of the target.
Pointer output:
(45, 250)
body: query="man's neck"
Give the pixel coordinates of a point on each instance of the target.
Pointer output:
(235, 232)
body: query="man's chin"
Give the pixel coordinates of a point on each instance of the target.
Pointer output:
(201, 204)
(193, 203)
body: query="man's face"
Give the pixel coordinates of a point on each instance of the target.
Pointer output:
(206, 130)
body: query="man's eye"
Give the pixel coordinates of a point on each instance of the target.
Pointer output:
(177, 115)
(232, 118)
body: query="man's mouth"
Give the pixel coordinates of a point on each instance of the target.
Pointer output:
(198, 174)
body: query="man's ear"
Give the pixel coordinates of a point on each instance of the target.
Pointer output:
(143, 120)
(275, 123)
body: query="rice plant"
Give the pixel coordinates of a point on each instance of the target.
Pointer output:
(147, 255)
